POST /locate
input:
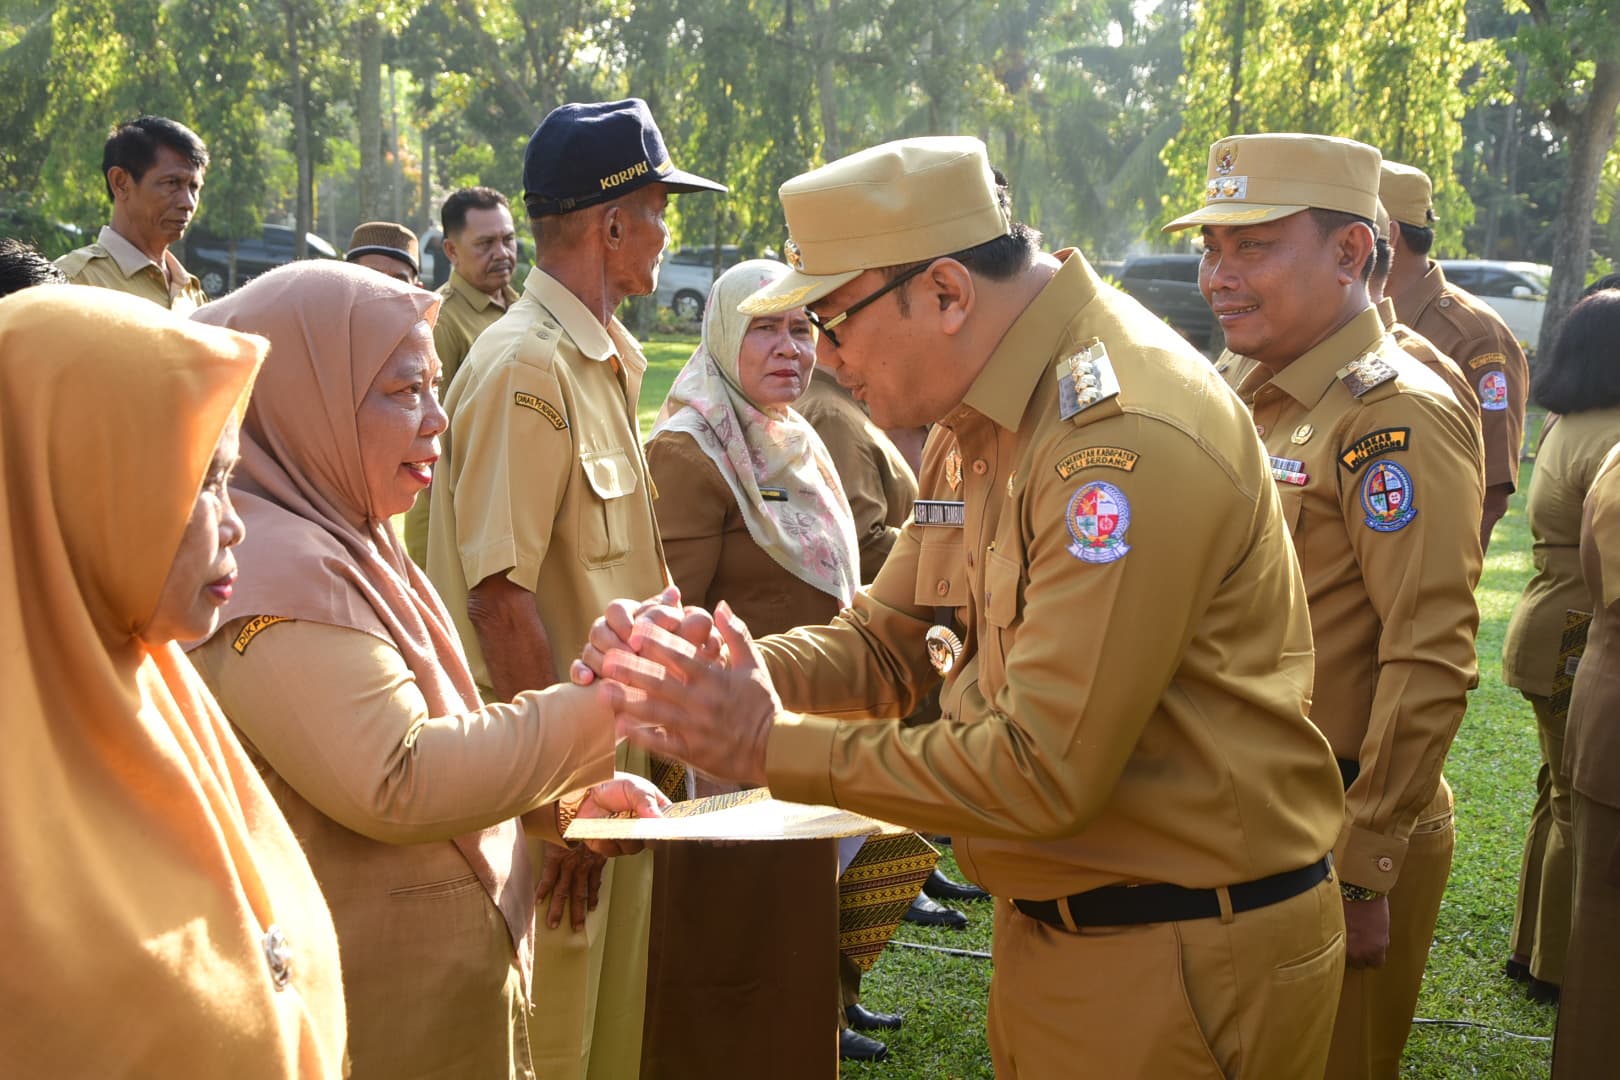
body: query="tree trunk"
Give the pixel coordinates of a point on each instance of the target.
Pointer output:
(1234, 119)
(395, 161)
(1591, 133)
(826, 25)
(424, 212)
(368, 115)
(305, 213)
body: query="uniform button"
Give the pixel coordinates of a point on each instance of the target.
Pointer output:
(277, 956)
(1386, 864)
(979, 467)
(942, 587)
(1445, 301)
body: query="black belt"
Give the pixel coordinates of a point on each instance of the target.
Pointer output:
(1133, 905)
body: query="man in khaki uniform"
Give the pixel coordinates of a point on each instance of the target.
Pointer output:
(1462, 327)
(542, 513)
(481, 245)
(1378, 470)
(154, 169)
(1103, 575)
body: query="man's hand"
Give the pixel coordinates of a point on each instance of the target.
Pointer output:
(626, 795)
(1366, 932)
(613, 631)
(571, 878)
(676, 701)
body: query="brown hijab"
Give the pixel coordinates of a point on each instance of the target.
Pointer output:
(144, 867)
(315, 548)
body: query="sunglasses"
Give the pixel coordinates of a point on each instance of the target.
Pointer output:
(825, 326)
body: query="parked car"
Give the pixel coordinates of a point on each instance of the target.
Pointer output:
(209, 257)
(1516, 290)
(1167, 285)
(687, 274)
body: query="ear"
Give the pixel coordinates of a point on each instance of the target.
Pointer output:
(451, 252)
(120, 180)
(950, 286)
(613, 226)
(1353, 248)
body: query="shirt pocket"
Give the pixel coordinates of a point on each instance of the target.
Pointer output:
(604, 516)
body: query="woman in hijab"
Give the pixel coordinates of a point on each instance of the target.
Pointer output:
(341, 669)
(158, 916)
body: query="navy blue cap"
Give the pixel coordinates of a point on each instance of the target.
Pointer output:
(584, 154)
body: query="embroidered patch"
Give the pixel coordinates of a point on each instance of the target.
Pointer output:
(1099, 515)
(1370, 446)
(1493, 392)
(252, 628)
(1387, 497)
(773, 494)
(1104, 457)
(1288, 471)
(952, 515)
(1487, 358)
(541, 406)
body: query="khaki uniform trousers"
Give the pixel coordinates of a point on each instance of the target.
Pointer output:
(1546, 877)
(1375, 1010)
(1589, 1003)
(1249, 996)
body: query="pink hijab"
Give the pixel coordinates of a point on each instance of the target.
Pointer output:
(315, 548)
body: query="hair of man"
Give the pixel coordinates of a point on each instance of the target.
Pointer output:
(1419, 239)
(453, 214)
(133, 147)
(22, 267)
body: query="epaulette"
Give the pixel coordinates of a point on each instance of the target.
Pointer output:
(538, 346)
(1085, 377)
(1365, 372)
(77, 259)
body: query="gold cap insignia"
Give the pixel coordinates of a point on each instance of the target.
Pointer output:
(791, 252)
(1226, 162)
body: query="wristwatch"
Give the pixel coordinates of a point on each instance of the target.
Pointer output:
(1357, 892)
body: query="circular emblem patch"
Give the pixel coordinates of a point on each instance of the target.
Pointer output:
(1099, 515)
(1386, 496)
(1493, 394)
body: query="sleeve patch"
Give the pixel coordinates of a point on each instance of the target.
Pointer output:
(543, 407)
(252, 629)
(1098, 516)
(1493, 391)
(1370, 446)
(1488, 358)
(1107, 457)
(1387, 497)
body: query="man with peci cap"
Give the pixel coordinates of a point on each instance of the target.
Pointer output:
(1462, 327)
(1100, 572)
(1377, 467)
(386, 248)
(542, 513)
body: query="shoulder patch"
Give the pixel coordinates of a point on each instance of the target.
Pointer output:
(1098, 517)
(1365, 372)
(1387, 497)
(1493, 391)
(1106, 457)
(1085, 377)
(1488, 358)
(1370, 446)
(543, 407)
(253, 628)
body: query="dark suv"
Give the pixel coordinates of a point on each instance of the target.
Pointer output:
(1167, 285)
(209, 257)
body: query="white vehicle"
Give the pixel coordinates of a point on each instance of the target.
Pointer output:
(686, 275)
(1516, 290)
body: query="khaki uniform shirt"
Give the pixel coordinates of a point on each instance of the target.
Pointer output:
(1382, 493)
(1458, 324)
(542, 478)
(1571, 449)
(114, 263)
(463, 315)
(1422, 349)
(877, 481)
(1592, 743)
(1131, 703)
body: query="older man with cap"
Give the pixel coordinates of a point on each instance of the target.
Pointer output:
(542, 513)
(1101, 572)
(1378, 470)
(1464, 328)
(386, 248)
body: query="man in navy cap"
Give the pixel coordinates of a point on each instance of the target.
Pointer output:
(542, 513)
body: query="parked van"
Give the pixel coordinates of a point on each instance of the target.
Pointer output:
(1517, 291)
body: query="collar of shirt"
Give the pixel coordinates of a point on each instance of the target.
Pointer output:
(131, 260)
(1308, 378)
(595, 341)
(479, 300)
(1422, 292)
(1003, 389)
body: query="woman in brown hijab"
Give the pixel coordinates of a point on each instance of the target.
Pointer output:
(158, 917)
(342, 671)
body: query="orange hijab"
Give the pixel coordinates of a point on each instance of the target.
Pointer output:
(146, 875)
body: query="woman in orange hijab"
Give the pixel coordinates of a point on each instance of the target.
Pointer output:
(342, 671)
(158, 917)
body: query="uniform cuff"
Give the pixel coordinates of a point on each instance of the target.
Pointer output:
(798, 758)
(1372, 860)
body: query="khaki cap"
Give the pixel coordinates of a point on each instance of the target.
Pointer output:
(1407, 193)
(901, 202)
(1381, 222)
(1258, 178)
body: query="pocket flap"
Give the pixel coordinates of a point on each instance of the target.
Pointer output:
(1001, 578)
(610, 473)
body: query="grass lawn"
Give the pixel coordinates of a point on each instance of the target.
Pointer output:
(666, 355)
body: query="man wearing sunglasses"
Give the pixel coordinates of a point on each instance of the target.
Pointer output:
(1101, 573)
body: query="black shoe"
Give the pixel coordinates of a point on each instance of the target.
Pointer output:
(925, 912)
(1541, 992)
(863, 1019)
(941, 887)
(853, 1046)
(1517, 970)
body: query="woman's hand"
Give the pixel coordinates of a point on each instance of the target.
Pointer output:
(615, 628)
(626, 795)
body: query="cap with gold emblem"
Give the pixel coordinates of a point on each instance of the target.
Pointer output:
(1259, 178)
(1407, 194)
(901, 202)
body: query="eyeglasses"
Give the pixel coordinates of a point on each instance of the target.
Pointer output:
(826, 325)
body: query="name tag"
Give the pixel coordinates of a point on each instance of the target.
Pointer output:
(773, 494)
(939, 512)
